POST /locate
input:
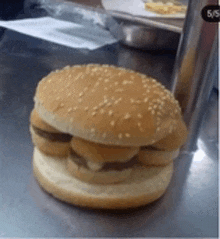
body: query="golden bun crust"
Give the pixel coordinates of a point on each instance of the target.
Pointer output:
(107, 105)
(59, 149)
(90, 176)
(145, 185)
(102, 153)
(38, 122)
(174, 140)
(157, 157)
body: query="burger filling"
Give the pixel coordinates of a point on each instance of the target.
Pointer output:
(103, 166)
(55, 137)
(148, 147)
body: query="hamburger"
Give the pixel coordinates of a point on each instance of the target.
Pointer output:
(104, 136)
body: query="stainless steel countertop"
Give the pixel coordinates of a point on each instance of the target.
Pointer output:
(188, 209)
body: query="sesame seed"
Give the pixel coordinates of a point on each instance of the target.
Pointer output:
(159, 113)
(158, 129)
(62, 104)
(93, 113)
(75, 108)
(119, 90)
(81, 94)
(112, 123)
(132, 100)
(58, 98)
(110, 112)
(95, 108)
(146, 100)
(69, 94)
(92, 130)
(127, 116)
(120, 136)
(102, 111)
(69, 110)
(109, 104)
(139, 124)
(127, 135)
(95, 69)
(106, 80)
(120, 99)
(116, 83)
(140, 116)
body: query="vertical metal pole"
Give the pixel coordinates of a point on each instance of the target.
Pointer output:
(195, 61)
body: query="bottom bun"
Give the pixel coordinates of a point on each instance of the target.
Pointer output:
(145, 185)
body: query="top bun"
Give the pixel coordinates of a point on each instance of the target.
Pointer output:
(108, 105)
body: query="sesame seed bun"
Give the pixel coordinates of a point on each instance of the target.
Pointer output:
(107, 105)
(145, 185)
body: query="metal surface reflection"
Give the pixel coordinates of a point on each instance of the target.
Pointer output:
(194, 72)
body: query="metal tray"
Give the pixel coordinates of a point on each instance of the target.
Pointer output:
(135, 31)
